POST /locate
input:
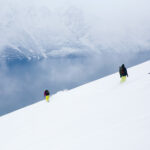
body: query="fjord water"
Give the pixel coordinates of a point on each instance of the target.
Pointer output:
(23, 81)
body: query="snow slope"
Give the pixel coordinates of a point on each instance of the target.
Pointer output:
(101, 115)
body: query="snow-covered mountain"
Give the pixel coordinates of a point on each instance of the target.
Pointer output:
(35, 29)
(101, 115)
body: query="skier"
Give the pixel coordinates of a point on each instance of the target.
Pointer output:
(123, 73)
(47, 94)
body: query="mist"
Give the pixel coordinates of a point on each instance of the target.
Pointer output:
(59, 45)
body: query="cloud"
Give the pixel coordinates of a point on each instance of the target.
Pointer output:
(38, 28)
(74, 42)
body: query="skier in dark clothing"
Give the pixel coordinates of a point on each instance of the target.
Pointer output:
(47, 94)
(123, 73)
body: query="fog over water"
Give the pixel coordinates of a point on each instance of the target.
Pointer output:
(63, 44)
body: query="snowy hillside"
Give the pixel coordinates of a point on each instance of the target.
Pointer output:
(101, 115)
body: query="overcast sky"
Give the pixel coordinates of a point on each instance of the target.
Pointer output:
(54, 27)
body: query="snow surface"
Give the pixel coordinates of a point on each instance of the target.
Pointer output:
(101, 115)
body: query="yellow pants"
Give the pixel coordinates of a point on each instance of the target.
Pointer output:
(123, 79)
(47, 98)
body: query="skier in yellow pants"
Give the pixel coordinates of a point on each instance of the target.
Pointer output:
(47, 98)
(47, 95)
(123, 79)
(123, 73)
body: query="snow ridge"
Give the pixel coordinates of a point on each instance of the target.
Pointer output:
(101, 115)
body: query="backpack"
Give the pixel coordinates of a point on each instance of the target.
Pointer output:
(121, 70)
(46, 92)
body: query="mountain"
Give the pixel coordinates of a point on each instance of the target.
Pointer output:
(102, 115)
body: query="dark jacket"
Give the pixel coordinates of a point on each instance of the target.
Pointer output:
(123, 71)
(46, 93)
